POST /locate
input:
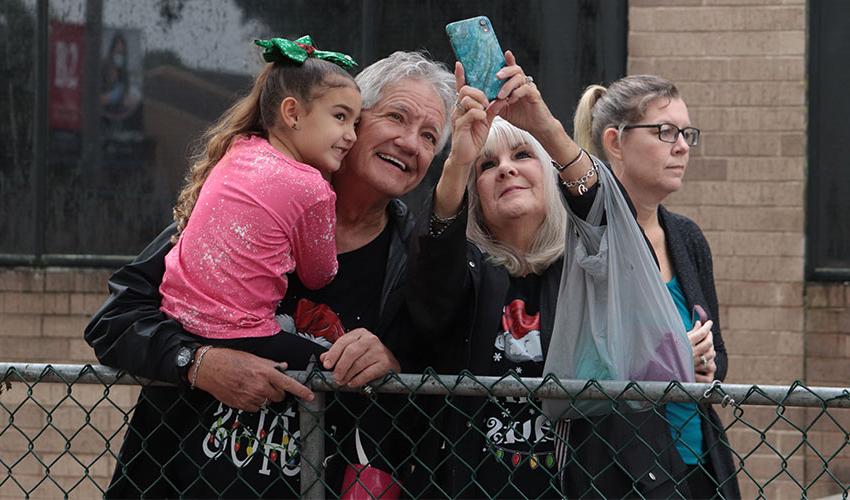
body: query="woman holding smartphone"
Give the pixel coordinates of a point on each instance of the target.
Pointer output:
(486, 267)
(485, 279)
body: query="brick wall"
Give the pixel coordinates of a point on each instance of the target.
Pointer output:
(52, 306)
(741, 67)
(828, 364)
(42, 316)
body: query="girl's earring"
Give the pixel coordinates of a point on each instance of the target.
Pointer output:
(295, 126)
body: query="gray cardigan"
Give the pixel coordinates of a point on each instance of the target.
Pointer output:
(692, 262)
(691, 258)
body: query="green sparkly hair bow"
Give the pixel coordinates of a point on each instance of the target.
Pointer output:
(297, 51)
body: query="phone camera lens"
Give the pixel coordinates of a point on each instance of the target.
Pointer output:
(482, 22)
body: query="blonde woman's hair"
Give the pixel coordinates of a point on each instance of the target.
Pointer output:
(548, 243)
(254, 114)
(624, 102)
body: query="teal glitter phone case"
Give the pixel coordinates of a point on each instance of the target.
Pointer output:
(476, 47)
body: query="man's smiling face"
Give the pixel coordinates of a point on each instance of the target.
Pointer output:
(397, 138)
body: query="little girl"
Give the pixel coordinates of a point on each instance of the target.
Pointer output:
(257, 203)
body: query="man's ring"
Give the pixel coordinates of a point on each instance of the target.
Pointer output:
(366, 389)
(265, 403)
(703, 360)
(529, 79)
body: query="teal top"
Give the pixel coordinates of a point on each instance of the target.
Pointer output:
(684, 418)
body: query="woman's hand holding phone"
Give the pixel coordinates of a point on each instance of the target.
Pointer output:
(507, 90)
(519, 102)
(702, 343)
(471, 121)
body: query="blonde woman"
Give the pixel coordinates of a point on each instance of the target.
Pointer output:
(407, 99)
(485, 280)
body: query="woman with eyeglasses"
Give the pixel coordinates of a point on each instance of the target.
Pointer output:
(641, 127)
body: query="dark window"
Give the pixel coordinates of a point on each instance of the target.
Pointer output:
(17, 95)
(102, 101)
(828, 210)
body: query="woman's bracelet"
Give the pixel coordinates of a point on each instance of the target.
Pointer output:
(201, 354)
(582, 181)
(437, 225)
(560, 168)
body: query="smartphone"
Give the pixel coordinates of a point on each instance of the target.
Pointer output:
(475, 45)
(698, 313)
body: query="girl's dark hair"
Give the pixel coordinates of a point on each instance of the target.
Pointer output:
(304, 82)
(255, 114)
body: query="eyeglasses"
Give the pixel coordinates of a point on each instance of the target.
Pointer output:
(667, 132)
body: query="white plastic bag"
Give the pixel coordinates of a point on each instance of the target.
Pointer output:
(615, 319)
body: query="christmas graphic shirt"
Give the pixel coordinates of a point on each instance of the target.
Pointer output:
(518, 452)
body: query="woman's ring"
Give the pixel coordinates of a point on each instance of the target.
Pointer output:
(529, 79)
(459, 105)
(703, 360)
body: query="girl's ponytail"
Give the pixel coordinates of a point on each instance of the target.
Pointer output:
(243, 118)
(583, 120)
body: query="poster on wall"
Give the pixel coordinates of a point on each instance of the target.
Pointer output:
(120, 93)
(67, 48)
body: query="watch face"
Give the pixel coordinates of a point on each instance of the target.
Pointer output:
(184, 357)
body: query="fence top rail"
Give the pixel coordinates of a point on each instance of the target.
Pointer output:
(467, 384)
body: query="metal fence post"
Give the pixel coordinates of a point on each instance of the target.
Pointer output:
(312, 425)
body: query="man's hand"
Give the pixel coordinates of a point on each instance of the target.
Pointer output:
(244, 381)
(359, 357)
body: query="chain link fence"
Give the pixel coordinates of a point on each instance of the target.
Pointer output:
(87, 431)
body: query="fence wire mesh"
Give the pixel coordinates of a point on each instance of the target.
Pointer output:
(87, 431)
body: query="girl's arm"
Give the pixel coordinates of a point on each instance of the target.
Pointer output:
(314, 243)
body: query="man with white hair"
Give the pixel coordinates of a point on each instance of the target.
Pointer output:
(407, 101)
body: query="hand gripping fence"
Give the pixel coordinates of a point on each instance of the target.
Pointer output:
(86, 431)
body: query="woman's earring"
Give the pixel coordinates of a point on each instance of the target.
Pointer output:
(295, 126)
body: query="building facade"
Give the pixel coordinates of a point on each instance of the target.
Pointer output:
(761, 186)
